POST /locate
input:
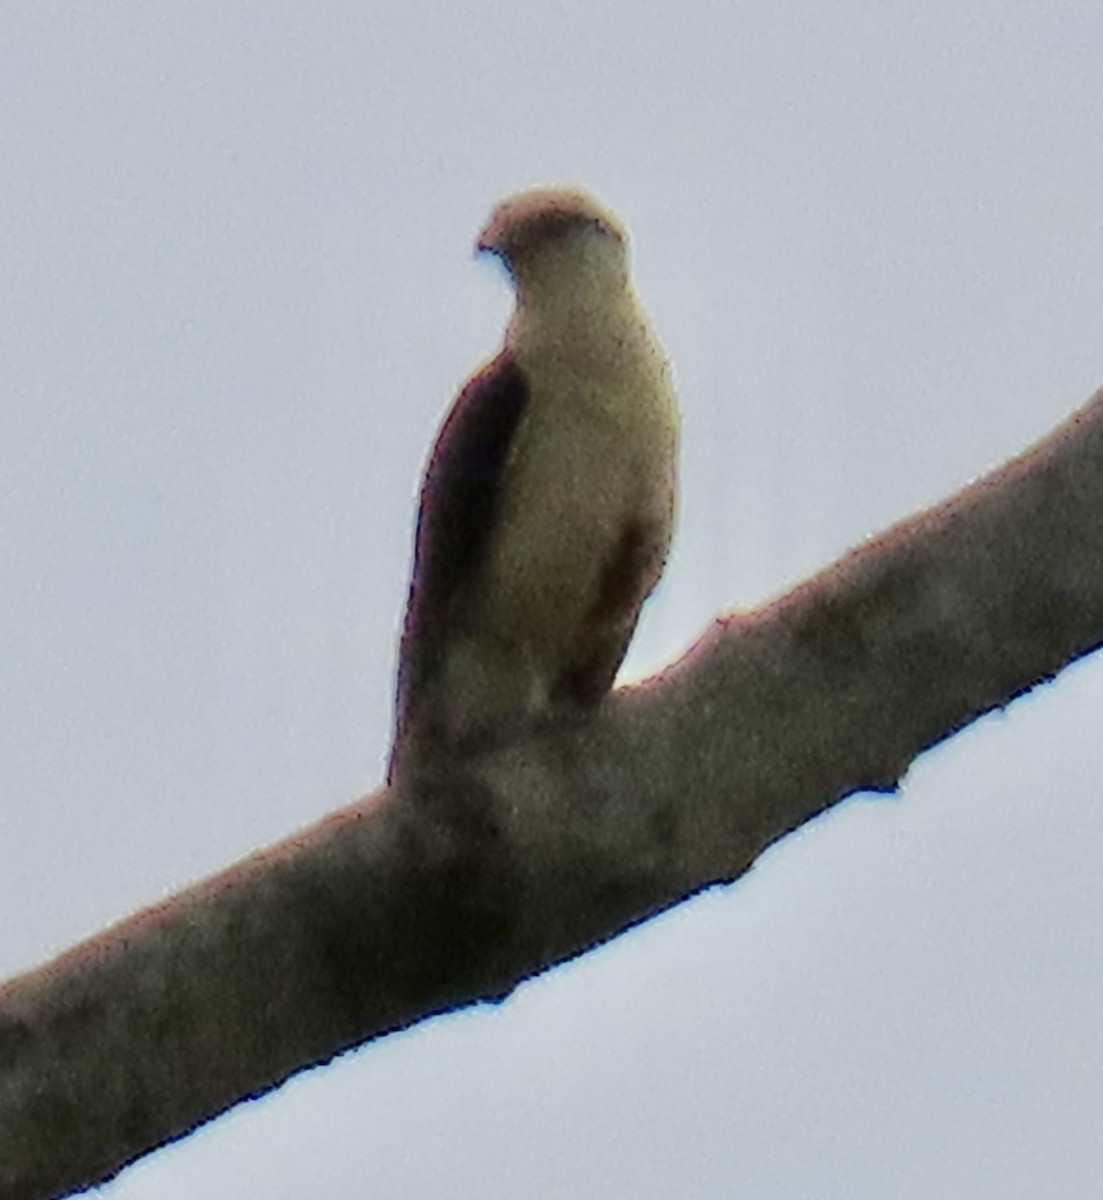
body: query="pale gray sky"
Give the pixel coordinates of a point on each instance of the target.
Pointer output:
(236, 294)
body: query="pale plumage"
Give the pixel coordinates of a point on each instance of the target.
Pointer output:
(547, 504)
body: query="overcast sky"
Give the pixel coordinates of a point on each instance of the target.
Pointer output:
(236, 295)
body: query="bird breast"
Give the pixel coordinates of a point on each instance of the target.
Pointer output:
(595, 453)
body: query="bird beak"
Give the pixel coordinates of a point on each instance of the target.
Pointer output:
(490, 240)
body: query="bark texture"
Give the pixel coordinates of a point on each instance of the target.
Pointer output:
(468, 876)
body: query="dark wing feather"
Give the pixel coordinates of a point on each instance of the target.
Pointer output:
(459, 497)
(630, 572)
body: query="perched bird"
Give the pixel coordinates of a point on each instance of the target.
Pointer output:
(548, 500)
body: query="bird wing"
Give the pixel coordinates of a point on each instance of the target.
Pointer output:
(459, 499)
(630, 571)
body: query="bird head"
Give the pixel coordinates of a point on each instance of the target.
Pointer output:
(542, 229)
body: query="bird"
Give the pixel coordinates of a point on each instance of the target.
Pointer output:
(547, 504)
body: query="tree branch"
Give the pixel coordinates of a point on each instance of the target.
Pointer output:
(472, 875)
